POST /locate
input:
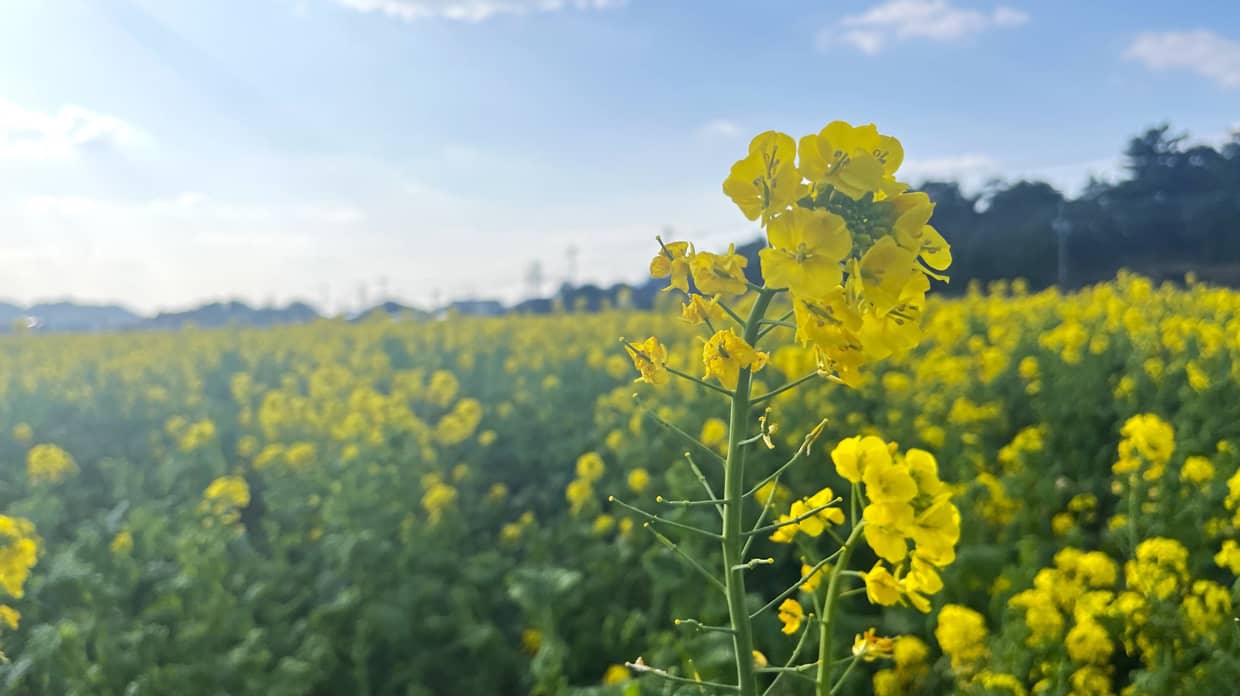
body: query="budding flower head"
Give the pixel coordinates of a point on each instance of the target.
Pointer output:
(650, 359)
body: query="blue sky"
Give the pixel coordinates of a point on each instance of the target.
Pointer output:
(159, 153)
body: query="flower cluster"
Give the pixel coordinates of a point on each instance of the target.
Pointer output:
(905, 502)
(19, 550)
(224, 499)
(48, 464)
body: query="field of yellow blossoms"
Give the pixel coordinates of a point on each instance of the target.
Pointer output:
(422, 508)
(1025, 493)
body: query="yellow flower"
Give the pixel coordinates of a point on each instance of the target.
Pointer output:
(672, 262)
(1197, 470)
(759, 660)
(913, 231)
(786, 532)
(888, 683)
(1229, 557)
(853, 455)
(830, 325)
(766, 181)
(48, 464)
(225, 497)
(18, 554)
(23, 433)
(603, 524)
(1149, 436)
(122, 543)
(699, 310)
(936, 530)
(578, 493)
(997, 682)
(300, 455)
(590, 466)
(816, 524)
(791, 615)
(885, 529)
(638, 480)
(888, 482)
(898, 331)
(888, 274)
(531, 640)
(9, 616)
(1040, 614)
(1091, 680)
(196, 435)
(436, 499)
(853, 160)
(650, 358)
(726, 354)
(497, 493)
(616, 674)
(719, 274)
(510, 532)
(807, 247)
(1160, 568)
(910, 653)
(1089, 643)
(870, 647)
(1062, 523)
(961, 633)
(881, 586)
(715, 436)
(812, 578)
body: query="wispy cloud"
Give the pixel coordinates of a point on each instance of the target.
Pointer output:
(719, 128)
(1203, 52)
(966, 166)
(899, 20)
(469, 10)
(28, 134)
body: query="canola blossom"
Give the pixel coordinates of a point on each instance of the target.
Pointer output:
(852, 253)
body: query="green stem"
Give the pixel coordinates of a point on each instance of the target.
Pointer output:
(778, 323)
(737, 318)
(697, 472)
(699, 381)
(827, 624)
(655, 519)
(791, 385)
(733, 510)
(844, 676)
(688, 559)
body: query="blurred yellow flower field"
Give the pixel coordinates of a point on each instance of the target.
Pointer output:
(374, 508)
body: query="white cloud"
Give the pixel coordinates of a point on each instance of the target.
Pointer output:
(899, 20)
(719, 128)
(1201, 51)
(952, 168)
(26, 134)
(469, 10)
(973, 170)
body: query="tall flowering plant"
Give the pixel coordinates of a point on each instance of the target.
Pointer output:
(851, 251)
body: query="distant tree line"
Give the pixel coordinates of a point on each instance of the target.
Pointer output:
(1177, 209)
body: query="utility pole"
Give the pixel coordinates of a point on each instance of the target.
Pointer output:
(534, 279)
(1062, 229)
(572, 266)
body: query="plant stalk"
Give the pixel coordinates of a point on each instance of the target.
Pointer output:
(827, 624)
(733, 510)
